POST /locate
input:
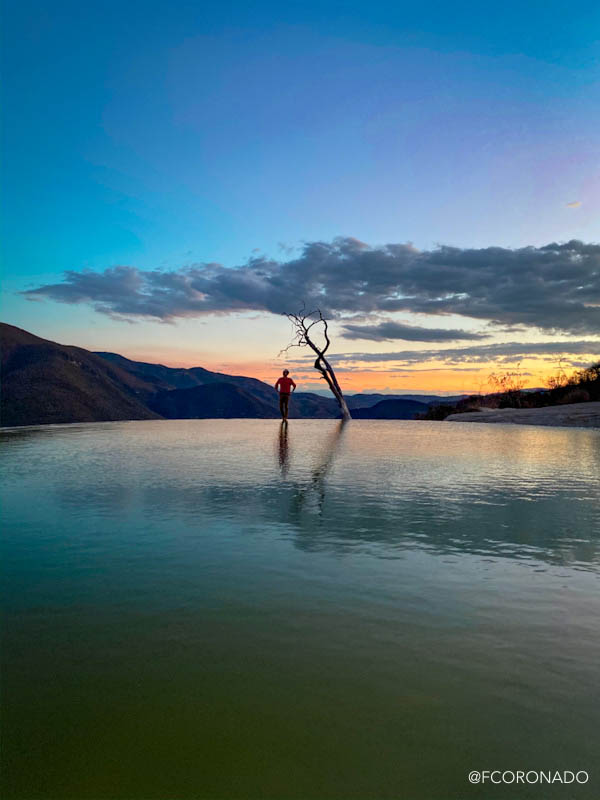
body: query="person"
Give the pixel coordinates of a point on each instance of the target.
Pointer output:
(285, 386)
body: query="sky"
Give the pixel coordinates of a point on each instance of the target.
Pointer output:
(177, 175)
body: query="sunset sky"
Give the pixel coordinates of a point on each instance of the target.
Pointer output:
(178, 174)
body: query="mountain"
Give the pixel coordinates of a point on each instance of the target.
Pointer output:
(391, 409)
(166, 379)
(44, 382)
(369, 400)
(222, 400)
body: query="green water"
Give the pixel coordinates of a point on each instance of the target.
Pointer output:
(205, 609)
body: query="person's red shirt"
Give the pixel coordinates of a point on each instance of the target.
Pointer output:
(284, 384)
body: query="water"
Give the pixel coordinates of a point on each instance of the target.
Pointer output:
(212, 609)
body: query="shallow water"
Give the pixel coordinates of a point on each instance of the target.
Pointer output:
(222, 609)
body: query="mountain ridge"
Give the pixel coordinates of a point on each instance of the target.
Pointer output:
(391, 409)
(44, 382)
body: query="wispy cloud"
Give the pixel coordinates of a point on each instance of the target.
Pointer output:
(508, 352)
(554, 288)
(389, 330)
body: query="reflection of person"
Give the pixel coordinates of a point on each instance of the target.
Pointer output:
(283, 450)
(285, 386)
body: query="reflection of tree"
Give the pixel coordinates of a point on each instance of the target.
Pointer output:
(312, 495)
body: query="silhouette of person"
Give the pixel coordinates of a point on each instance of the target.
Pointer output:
(285, 386)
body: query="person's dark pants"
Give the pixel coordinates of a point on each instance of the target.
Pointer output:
(284, 402)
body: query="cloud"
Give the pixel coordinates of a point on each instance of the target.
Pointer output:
(555, 287)
(508, 352)
(411, 370)
(389, 330)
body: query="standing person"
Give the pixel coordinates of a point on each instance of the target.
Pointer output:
(285, 386)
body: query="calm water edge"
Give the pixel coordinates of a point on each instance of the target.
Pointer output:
(210, 609)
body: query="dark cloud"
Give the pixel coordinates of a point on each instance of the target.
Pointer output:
(555, 287)
(389, 330)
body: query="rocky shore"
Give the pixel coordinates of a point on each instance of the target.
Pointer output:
(575, 415)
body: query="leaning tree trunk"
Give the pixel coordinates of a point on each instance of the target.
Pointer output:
(321, 363)
(328, 374)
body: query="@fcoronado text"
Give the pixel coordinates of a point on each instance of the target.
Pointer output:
(528, 776)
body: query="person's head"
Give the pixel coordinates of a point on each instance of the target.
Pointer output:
(286, 372)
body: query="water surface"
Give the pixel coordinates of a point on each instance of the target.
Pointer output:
(229, 609)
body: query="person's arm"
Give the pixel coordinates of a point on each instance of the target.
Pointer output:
(294, 385)
(277, 384)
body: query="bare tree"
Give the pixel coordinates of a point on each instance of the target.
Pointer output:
(305, 326)
(509, 385)
(561, 378)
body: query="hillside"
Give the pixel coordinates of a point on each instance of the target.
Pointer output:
(583, 386)
(222, 400)
(44, 382)
(165, 379)
(391, 409)
(369, 400)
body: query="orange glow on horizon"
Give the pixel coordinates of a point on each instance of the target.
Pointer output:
(443, 379)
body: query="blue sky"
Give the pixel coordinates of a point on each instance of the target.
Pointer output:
(159, 135)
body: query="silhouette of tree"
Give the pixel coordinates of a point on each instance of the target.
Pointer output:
(509, 387)
(305, 326)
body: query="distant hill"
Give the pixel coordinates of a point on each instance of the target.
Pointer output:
(223, 400)
(44, 382)
(391, 409)
(369, 400)
(165, 379)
